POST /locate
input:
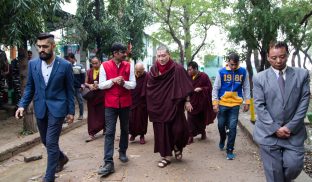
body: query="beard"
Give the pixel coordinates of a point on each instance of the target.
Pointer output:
(45, 56)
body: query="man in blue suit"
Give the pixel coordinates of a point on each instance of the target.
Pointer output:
(50, 85)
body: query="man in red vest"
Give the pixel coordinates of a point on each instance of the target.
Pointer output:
(116, 78)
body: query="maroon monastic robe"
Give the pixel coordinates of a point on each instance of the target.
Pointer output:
(202, 113)
(138, 110)
(165, 95)
(96, 117)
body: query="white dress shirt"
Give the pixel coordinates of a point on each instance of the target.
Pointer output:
(46, 70)
(277, 72)
(106, 84)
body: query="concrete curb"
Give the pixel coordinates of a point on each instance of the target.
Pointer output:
(9, 150)
(247, 127)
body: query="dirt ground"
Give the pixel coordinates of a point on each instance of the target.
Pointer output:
(10, 130)
(202, 161)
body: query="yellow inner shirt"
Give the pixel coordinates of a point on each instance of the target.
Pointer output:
(95, 73)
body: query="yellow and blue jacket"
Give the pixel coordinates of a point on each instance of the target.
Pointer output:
(231, 87)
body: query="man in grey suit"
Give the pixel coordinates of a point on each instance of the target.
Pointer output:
(281, 96)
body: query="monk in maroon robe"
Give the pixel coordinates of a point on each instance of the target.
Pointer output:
(96, 117)
(167, 95)
(138, 110)
(202, 113)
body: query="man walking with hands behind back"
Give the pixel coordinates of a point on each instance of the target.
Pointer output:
(282, 97)
(50, 84)
(117, 78)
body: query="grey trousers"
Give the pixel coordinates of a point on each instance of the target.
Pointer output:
(282, 163)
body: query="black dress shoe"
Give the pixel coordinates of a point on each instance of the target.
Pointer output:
(61, 163)
(107, 169)
(123, 157)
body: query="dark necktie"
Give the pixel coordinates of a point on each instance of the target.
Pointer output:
(281, 82)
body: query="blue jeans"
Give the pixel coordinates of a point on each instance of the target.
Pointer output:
(50, 128)
(227, 119)
(111, 115)
(79, 100)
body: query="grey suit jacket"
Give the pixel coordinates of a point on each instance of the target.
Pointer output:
(273, 113)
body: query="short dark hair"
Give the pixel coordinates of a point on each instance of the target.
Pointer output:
(29, 52)
(95, 57)
(71, 55)
(45, 35)
(233, 56)
(276, 45)
(118, 47)
(163, 47)
(193, 64)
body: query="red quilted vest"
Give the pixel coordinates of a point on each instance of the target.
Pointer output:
(117, 96)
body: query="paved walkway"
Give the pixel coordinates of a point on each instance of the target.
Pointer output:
(202, 161)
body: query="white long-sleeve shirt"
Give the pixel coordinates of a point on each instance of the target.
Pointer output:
(106, 84)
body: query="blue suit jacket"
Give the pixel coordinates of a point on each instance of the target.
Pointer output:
(57, 96)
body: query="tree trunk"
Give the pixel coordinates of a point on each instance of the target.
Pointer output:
(304, 62)
(181, 55)
(256, 60)
(263, 60)
(293, 63)
(98, 37)
(249, 67)
(299, 60)
(187, 33)
(29, 121)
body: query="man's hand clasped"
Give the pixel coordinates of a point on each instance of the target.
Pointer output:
(119, 80)
(188, 106)
(283, 132)
(198, 89)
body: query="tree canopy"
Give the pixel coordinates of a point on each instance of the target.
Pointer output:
(182, 21)
(22, 20)
(255, 23)
(106, 22)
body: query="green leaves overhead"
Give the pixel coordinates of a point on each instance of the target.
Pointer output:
(106, 22)
(22, 20)
(182, 21)
(255, 23)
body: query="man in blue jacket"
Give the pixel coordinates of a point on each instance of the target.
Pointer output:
(50, 85)
(231, 89)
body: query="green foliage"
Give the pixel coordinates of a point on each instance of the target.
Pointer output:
(183, 20)
(309, 115)
(255, 23)
(209, 60)
(106, 22)
(26, 132)
(22, 20)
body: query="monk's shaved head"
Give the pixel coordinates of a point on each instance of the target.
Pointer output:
(139, 66)
(139, 69)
